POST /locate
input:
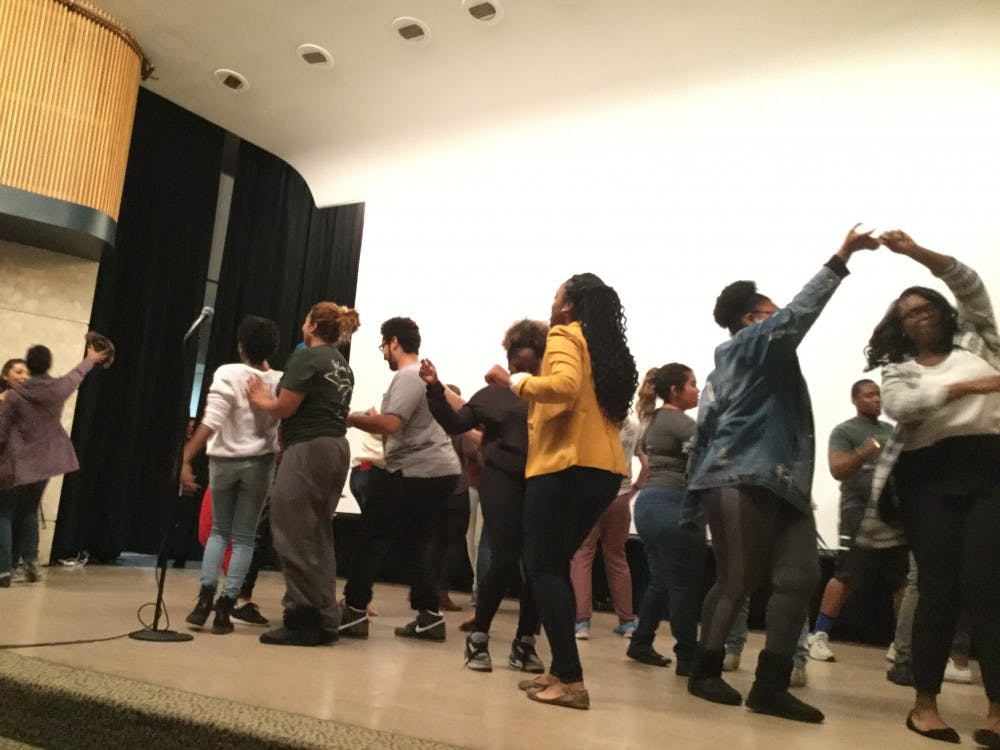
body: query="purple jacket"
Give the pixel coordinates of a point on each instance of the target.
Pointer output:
(33, 444)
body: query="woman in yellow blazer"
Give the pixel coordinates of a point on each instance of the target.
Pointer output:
(575, 463)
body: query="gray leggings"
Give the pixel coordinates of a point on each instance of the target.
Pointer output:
(757, 536)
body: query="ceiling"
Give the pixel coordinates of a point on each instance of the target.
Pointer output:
(386, 99)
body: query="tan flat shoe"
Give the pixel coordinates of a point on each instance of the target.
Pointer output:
(580, 700)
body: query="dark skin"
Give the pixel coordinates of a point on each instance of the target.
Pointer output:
(922, 324)
(868, 405)
(561, 314)
(853, 242)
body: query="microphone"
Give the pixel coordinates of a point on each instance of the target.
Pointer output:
(206, 313)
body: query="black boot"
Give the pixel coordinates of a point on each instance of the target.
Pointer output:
(223, 608)
(705, 680)
(769, 694)
(302, 627)
(206, 595)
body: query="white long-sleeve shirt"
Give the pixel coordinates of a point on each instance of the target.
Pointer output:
(240, 430)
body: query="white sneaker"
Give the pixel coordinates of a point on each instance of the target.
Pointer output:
(582, 630)
(798, 678)
(819, 647)
(890, 655)
(955, 673)
(731, 662)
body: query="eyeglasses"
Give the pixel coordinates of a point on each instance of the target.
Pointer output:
(382, 346)
(920, 311)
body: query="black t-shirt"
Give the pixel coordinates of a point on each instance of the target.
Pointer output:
(323, 377)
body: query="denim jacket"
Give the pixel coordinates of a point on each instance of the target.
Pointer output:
(755, 422)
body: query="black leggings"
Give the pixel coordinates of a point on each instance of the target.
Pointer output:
(560, 509)
(501, 496)
(448, 547)
(758, 536)
(956, 541)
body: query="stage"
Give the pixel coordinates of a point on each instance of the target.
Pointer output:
(385, 692)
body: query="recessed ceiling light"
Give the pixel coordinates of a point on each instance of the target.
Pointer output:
(412, 30)
(231, 80)
(483, 11)
(313, 54)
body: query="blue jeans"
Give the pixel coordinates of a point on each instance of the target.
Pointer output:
(676, 557)
(737, 638)
(239, 488)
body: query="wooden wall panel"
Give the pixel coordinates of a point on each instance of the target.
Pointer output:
(68, 86)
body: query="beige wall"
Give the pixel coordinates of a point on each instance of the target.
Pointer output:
(45, 298)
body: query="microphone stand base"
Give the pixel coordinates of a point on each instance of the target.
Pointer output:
(161, 636)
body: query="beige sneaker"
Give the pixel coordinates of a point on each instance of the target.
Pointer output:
(819, 647)
(798, 678)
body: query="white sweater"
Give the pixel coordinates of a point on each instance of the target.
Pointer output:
(240, 430)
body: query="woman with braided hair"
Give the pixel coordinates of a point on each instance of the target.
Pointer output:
(575, 464)
(751, 470)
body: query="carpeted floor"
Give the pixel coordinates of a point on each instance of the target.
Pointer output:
(53, 706)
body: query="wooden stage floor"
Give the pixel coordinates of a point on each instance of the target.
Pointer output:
(423, 690)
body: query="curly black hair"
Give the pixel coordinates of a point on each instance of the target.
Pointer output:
(406, 333)
(526, 334)
(889, 344)
(735, 301)
(602, 317)
(258, 337)
(670, 378)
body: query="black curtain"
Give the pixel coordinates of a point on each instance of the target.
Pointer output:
(150, 286)
(282, 255)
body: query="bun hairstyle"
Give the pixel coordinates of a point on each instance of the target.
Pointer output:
(735, 301)
(670, 378)
(335, 323)
(599, 310)
(526, 334)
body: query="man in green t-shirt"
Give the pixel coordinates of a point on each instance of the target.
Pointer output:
(854, 449)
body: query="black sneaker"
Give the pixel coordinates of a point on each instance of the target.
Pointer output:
(353, 623)
(428, 626)
(477, 654)
(31, 572)
(250, 614)
(900, 673)
(524, 657)
(647, 655)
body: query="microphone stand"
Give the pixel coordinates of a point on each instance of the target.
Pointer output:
(154, 632)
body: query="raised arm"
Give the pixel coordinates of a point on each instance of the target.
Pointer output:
(971, 297)
(786, 328)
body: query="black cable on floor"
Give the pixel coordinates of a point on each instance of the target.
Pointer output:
(62, 643)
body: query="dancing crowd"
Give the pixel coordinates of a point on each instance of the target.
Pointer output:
(549, 443)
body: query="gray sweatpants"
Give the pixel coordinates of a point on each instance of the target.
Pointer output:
(304, 496)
